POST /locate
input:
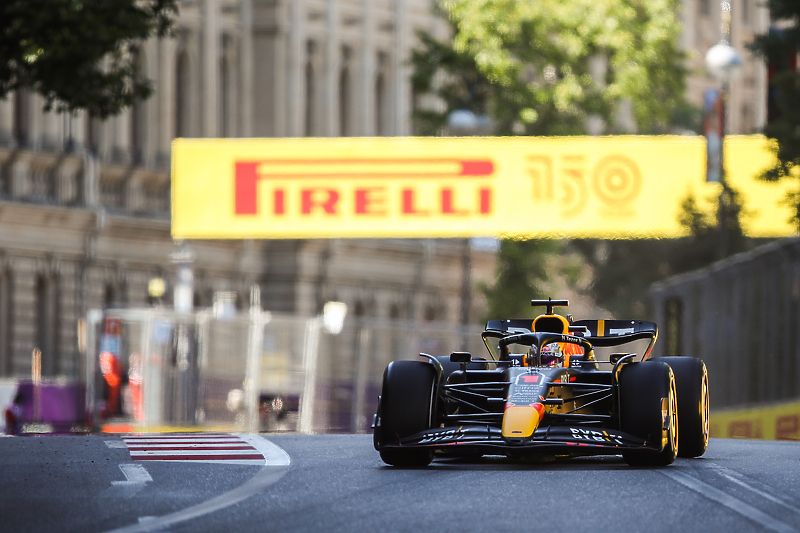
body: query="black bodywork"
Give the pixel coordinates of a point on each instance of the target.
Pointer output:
(580, 403)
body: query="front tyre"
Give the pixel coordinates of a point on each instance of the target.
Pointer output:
(648, 403)
(691, 382)
(406, 408)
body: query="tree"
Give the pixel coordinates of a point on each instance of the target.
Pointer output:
(623, 271)
(463, 86)
(779, 49)
(521, 276)
(545, 67)
(548, 68)
(79, 54)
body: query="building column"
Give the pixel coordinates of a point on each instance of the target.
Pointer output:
(400, 124)
(330, 87)
(166, 99)
(210, 65)
(246, 66)
(295, 92)
(366, 85)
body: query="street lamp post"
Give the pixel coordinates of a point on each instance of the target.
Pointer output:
(724, 62)
(465, 123)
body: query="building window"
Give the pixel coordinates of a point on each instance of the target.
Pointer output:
(182, 103)
(137, 133)
(344, 104)
(92, 132)
(22, 118)
(429, 315)
(47, 322)
(109, 296)
(344, 95)
(6, 322)
(138, 118)
(705, 7)
(115, 294)
(42, 189)
(225, 114)
(311, 111)
(380, 109)
(380, 96)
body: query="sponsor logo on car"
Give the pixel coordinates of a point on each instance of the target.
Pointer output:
(595, 435)
(443, 435)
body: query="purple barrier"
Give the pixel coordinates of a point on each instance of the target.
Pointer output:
(62, 406)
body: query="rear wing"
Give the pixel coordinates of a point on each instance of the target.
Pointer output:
(597, 332)
(616, 332)
(513, 325)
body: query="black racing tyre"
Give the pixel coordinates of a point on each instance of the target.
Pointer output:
(642, 388)
(691, 382)
(406, 408)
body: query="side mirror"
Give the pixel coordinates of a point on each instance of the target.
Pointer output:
(460, 357)
(615, 357)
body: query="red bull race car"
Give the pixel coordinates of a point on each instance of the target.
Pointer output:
(551, 386)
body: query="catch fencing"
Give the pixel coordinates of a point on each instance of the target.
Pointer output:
(741, 316)
(250, 371)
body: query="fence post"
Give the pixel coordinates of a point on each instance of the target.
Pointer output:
(310, 353)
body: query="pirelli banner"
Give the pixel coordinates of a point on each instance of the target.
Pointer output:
(605, 187)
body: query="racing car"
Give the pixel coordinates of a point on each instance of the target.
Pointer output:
(544, 391)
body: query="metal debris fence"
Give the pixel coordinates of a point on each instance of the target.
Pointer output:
(250, 371)
(741, 316)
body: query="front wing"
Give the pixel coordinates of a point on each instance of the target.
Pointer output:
(568, 440)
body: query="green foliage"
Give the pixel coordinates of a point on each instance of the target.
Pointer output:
(521, 277)
(543, 68)
(623, 271)
(463, 86)
(777, 47)
(79, 54)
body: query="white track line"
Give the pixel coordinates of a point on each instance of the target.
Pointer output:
(278, 463)
(135, 474)
(738, 506)
(212, 448)
(138, 442)
(743, 481)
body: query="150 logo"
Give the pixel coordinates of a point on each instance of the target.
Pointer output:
(572, 181)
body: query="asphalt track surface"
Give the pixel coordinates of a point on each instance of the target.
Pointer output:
(337, 483)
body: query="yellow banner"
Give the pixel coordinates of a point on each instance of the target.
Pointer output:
(605, 187)
(773, 422)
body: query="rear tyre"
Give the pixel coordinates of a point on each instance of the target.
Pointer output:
(406, 408)
(649, 410)
(691, 382)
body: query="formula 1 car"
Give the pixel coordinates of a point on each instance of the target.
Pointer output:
(545, 392)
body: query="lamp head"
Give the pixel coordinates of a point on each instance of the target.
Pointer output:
(724, 62)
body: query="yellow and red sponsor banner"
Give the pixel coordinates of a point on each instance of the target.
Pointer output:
(772, 422)
(605, 187)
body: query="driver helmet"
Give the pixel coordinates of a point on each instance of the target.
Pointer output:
(552, 355)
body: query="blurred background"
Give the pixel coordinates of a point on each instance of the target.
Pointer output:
(231, 332)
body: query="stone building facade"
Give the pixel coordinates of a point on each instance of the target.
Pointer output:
(85, 204)
(747, 98)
